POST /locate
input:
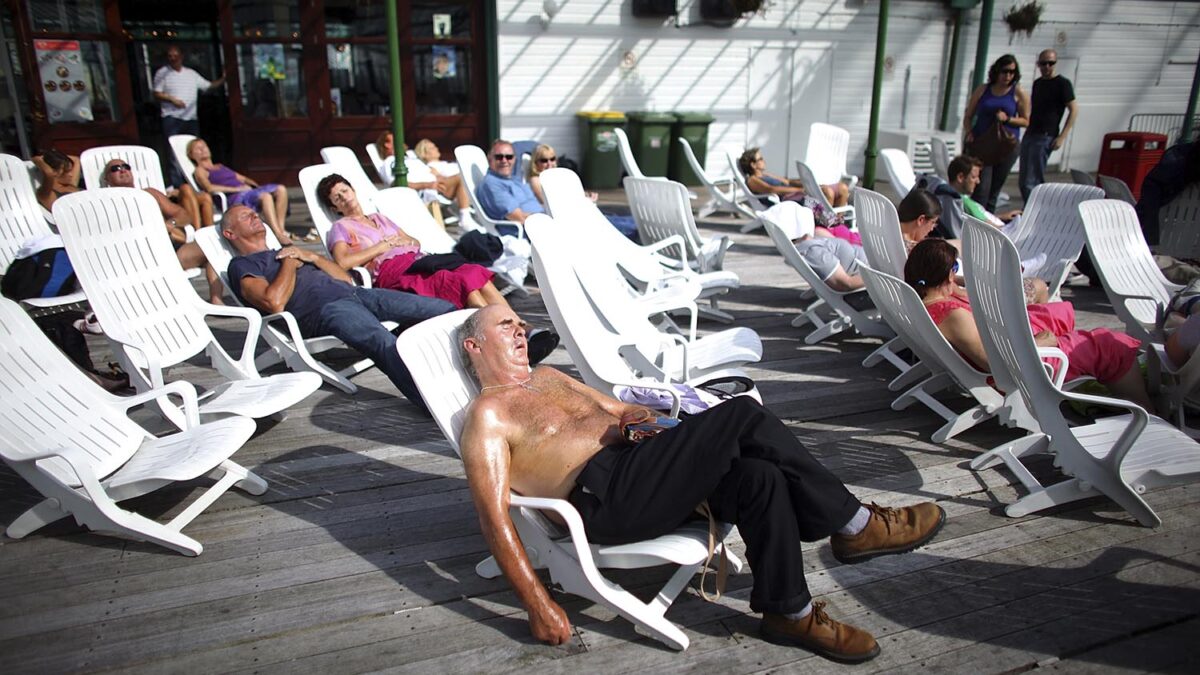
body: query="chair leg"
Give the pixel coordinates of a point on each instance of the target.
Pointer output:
(45, 512)
(914, 374)
(889, 351)
(1010, 454)
(1068, 491)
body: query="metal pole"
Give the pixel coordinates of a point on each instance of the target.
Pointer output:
(876, 94)
(951, 69)
(981, 50)
(399, 171)
(1185, 134)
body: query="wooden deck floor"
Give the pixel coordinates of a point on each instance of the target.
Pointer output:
(360, 556)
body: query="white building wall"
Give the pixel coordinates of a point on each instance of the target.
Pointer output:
(1132, 56)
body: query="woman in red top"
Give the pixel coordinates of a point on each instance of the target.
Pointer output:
(1109, 356)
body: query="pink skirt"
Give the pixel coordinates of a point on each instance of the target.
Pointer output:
(1102, 353)
(451, 285)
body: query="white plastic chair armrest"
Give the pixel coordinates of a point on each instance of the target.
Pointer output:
(676, 400)
(850, 180)
(1058, 374)
(361, 276)
(185, 390)
(288, 320)
(189, 234)
(1140, 418)
(574, 527)
(1172, 287)
(254, 326)
(152, 367)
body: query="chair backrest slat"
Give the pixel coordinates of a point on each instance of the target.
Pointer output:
(322, 216)
(1179, 224)
(879, 225)
(826, 152)
(1124, 262)
(661, 208)
(21, 216)
(1051, 226)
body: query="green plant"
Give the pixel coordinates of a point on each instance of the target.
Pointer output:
(1024, 18)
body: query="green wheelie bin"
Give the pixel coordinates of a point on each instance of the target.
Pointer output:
(601, 160)
(692, 127)
(650, 138)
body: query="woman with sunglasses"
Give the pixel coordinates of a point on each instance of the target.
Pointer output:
(1001, 101)
(829, 224)
(1107, 355)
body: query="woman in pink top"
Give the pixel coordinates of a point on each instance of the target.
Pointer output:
(1109, 356)
(388, 253)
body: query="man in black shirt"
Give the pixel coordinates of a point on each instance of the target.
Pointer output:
(1052, 94)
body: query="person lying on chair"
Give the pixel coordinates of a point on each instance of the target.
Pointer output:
(322, 297)
(542, 434)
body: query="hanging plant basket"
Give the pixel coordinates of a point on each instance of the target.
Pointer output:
(730, 10)
(1024, 18)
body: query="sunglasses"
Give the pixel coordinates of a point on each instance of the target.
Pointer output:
(1008, 71)
(1047, 63)
(499, 157)
(547, 160)
(119, 167)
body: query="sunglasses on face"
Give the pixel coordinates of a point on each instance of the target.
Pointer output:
(547, 160)
(1008, 71)
(500, 157)
(119, 167)
(1047, 63)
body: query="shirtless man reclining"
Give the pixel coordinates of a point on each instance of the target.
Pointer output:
(544, 434)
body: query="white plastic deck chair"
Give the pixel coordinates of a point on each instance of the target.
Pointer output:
(323, 217)
(405, 207)
(939, 154)
(147, 169)
(1115, 188)
(662, 209)
(945, 368)
(75, 444)
(380, 164)
(883, 243)
(346, 163)
(1120, 457)
(1080, 177)
(150, 312)
(280, 331)
(812, 188)
(1179, 225)
(625, 150)
(656, 283)
(749, 204)
(826, 153)
(719, 200)
(1135, 285)
(830, 313)
(473, 163)
(1051, 230)
(592, 313)
(179, 143)
(432, 354)
(21, 219)
(899, 170)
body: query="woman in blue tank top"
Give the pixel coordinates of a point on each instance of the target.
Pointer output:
(1001, 100)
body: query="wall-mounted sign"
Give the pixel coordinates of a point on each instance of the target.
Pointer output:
(441, 25)
(66, 83)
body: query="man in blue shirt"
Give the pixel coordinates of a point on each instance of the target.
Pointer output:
(502, 195)
(321, 297)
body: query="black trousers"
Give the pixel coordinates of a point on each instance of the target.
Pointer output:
(754, 474)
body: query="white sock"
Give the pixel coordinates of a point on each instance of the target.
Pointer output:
(796, 616)
(857, 523)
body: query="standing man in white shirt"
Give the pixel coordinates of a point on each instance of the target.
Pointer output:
(177, 88)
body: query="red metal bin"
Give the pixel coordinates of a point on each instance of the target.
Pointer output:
(1129, 155)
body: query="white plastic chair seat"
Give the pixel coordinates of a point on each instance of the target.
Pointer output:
(705, 356)
(260, 397)
(432, 356)
(189, 454)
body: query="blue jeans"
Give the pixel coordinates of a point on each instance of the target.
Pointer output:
(172, 126)
(1035, 151)
(356, 319)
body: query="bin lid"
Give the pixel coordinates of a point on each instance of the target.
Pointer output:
(645, 116)
(693, 117)
(602, 115)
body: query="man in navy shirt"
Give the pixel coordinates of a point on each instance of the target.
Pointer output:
(502, 195)
(1052, 94)
(321, 297)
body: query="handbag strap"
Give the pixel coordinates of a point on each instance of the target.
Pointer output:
(722, 566)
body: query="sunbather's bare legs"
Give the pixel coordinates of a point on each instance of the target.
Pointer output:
(452, 186)
(488, 294)
(1132, 387)
(838, 194)
(268, 204)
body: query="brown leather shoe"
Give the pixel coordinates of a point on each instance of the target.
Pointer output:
(821, 635)
(889, 531)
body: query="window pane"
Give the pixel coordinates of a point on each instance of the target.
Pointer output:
(77, 80)
(442, 75)
(440, 19)
(67, 16)
(12, 113)
(355, 18)
(272, 81)
(266, 18)
(359, 77)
